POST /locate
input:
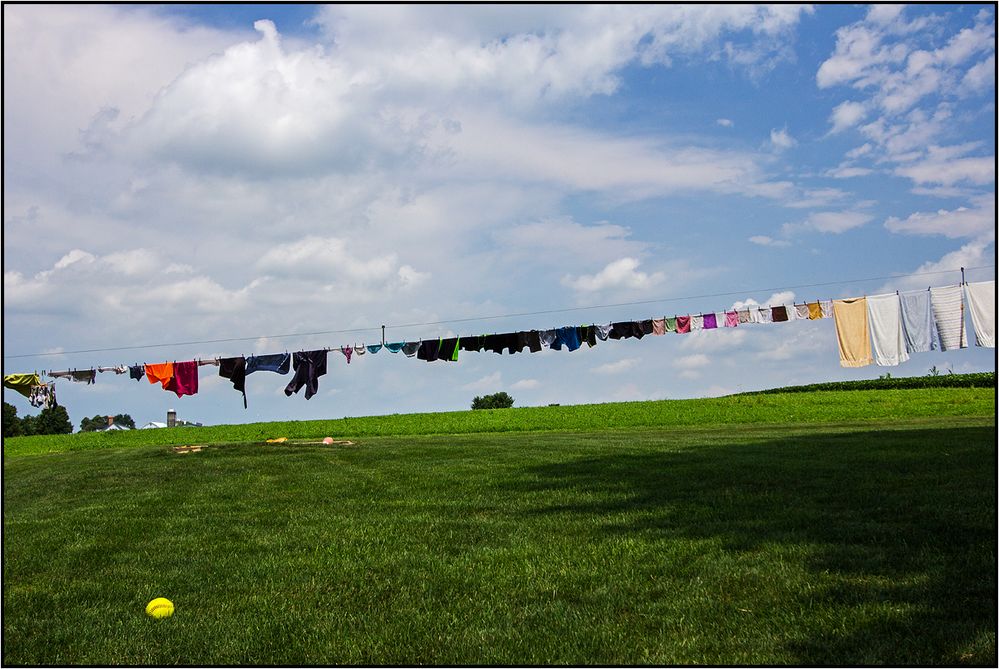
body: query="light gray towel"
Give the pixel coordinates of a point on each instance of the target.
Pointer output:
(887, 340)
(917, 322)
(948, 312)
(982, 304)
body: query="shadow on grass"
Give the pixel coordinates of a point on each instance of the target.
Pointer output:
(902, 519)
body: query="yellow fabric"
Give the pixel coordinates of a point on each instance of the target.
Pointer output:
(814, 311)
(21, 382)
(852, 332)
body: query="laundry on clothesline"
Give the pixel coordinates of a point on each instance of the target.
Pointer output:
(882, 329)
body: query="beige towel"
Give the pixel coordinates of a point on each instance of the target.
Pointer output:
(852, 332)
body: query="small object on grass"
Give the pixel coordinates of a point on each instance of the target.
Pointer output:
(279, 440)
(161, 607)
(328, 440)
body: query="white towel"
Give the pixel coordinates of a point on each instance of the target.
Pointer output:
(696, 322)
(982, 304)
(885, 316)
(827, 308)
(801, 312)
(763, 315)
(917, 322)
(948, 312)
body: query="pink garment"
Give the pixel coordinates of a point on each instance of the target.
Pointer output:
(682, 324)
(185, 378)
(347, 351)
(731, 319)
(659, 326)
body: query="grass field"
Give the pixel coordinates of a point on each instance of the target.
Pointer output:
(825, 528)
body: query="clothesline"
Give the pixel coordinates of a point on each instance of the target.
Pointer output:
(501, 316)
(883, 329)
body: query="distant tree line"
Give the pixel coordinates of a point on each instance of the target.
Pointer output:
(53, 420)
(100, 422)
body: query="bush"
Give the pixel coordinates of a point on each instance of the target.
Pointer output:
(494, 401)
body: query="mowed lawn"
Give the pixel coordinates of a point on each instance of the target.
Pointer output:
(859, 541)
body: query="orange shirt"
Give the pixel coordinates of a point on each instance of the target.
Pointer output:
(163, 372)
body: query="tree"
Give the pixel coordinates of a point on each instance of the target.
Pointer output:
(495, 401)
(11, 423)
(124, 420)
(53, 420)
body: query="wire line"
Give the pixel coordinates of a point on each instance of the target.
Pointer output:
(495, 317)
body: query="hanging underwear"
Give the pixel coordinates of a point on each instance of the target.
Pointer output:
(547, 338)
(410, 348)
(374, 348)
(359, 350)
(603, 331)
(473, 343)
(347, 351)
(136, 372)
(395, 347)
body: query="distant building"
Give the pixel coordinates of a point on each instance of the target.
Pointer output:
(172, 421)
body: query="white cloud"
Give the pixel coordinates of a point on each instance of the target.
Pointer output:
(490, 382)
(617, 367)
(525, 384)
(725, 122)
(620, 274)
(846, 115)
(693, 361)
(831, 222)
(979, 170)
(980, 76)
(764, 240)
(978, 253)
(978, 221)
(781, 139)
(848, 172)
(817, 197)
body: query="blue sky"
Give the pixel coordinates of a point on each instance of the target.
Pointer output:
(188, 173)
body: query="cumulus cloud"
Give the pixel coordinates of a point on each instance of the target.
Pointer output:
(781, 139)
(946, 270)
(725, 122)
(977, 221)
(911, 81)
(490, 382)
(691, 362)
(846, 115)
(525, 384)
(620, 274)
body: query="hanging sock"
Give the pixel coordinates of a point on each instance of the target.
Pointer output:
(982, 304)
(21, 383)
(887, 338)
(234, 369)
(948, 312)
(273, 362)
(309, 366)
(852, 334)
(917, 322)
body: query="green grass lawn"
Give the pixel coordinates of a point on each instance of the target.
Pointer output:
(865, 538)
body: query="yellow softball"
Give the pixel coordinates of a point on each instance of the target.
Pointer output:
(161, 607)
